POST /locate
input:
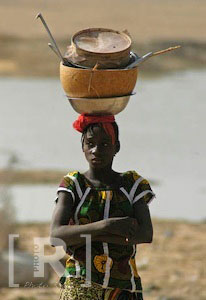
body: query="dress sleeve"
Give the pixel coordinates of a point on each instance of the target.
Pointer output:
(142, 190)
(67, 185)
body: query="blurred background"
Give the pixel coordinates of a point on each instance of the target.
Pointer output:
(161, 133)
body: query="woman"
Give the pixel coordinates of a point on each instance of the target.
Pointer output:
(108, 206)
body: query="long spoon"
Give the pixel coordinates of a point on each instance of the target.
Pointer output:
(54, 50)
(64, 60)
(139, 60)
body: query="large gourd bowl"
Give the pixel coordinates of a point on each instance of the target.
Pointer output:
(94, 83)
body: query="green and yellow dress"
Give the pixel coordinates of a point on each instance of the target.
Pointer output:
(113, 267)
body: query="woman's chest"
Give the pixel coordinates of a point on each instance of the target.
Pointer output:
(99, 205)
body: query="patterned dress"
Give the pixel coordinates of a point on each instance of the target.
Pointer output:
(113, 267)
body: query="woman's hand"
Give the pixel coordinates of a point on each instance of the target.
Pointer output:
(122, 226)
(133, 231)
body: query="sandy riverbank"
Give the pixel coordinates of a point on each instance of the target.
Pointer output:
(172, 267)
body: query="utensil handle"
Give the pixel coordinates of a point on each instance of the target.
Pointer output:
(166, 50)
(53, 49)
(49, 32)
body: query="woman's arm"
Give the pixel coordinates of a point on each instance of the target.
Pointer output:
(113, 230)
(142, 228)
(70, 234)
(144, 234)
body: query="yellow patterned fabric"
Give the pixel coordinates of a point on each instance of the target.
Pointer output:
(75, 289)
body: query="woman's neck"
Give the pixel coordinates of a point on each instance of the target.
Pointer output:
(99, 174)
(105, 176)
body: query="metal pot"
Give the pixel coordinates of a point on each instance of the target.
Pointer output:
(99, 106)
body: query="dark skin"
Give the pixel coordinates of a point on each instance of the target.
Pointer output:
(99, 152)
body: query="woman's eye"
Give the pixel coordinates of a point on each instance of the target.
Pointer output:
(90, 144)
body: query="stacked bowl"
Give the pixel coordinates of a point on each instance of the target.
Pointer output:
(96, 79)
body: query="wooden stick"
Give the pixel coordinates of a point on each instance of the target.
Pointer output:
(166, 50)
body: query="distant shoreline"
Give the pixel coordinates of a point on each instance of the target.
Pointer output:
(31, 57)
(17, 176)
(153, 26)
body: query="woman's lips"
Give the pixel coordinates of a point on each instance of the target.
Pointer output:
(97, 160)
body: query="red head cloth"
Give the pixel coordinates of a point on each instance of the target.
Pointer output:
(84, 120)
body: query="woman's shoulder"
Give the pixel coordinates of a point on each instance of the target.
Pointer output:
(141, 188)
(137, 186)
(131, 174)
(73, 174)
(70, 178)
(130, 177)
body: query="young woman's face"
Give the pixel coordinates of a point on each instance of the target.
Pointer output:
(98, 148)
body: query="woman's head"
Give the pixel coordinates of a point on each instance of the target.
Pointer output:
(100, 138)
(111, 129)
(100, 144)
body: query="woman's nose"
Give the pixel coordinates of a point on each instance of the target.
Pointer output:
(95, 149)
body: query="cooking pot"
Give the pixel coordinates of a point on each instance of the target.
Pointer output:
(109, 48)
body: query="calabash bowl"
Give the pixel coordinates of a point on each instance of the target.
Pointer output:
(97, 83)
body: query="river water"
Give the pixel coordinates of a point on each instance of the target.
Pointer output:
(162, 134)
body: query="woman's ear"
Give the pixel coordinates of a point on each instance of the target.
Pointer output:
(83, 146)
(117, 145)
(82, 142)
